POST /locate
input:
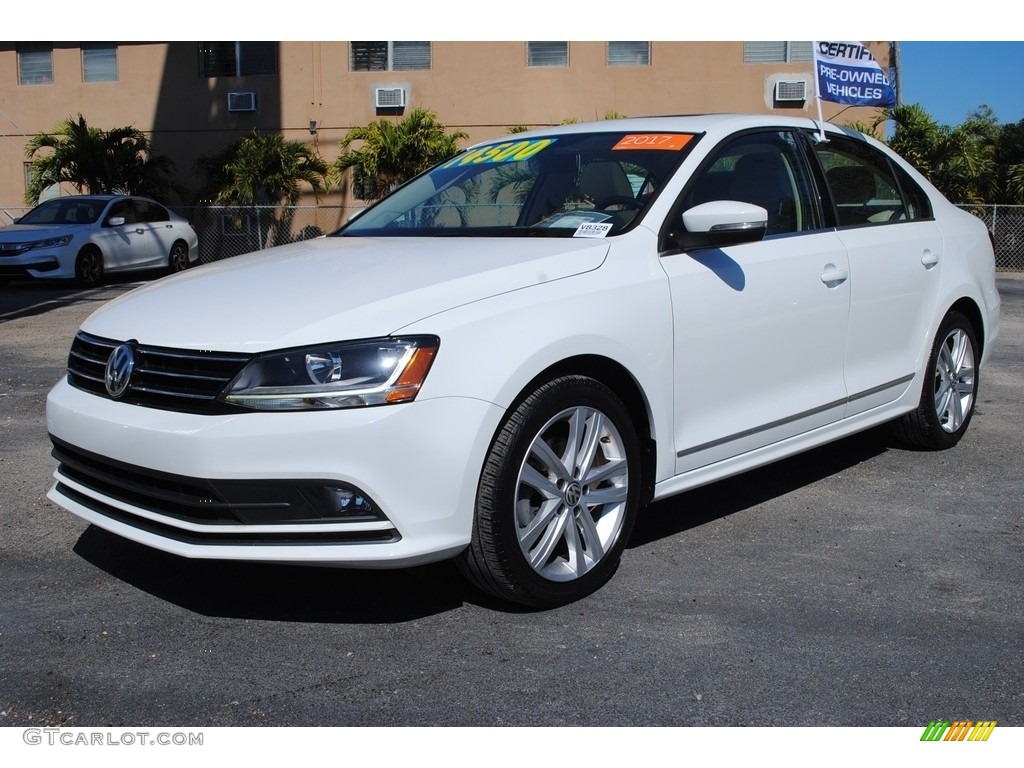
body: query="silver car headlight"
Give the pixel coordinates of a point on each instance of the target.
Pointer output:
(52, 242)
(340, 375)
(24, 247)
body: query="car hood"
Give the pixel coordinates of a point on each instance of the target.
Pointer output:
(16, 232)
(334, 288)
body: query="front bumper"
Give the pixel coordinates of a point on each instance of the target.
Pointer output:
(134, 471)
(33, 265)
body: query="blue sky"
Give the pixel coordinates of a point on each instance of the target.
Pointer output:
(951, 79)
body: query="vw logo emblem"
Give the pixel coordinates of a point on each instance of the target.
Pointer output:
(120, 365)
(573, 494)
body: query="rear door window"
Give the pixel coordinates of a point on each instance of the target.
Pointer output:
(866, 187)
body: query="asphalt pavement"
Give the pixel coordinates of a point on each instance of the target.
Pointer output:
(860, 584)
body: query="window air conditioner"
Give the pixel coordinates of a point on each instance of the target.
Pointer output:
(242, 101)
(388, 98)
(791, 90)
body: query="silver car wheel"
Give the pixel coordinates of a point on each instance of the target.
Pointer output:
(954, 380)
(89, 267)
(572, 494)
(178, 260)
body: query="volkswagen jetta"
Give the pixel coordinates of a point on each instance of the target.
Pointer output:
(505, 359)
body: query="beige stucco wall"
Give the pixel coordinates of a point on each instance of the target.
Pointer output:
(479, 87)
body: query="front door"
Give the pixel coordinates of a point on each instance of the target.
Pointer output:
(760, 328)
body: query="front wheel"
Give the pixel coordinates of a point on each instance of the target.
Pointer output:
(558, 496)
(89, 267)
(950, 388)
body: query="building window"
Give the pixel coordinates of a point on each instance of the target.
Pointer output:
(547, 54)
(629, 54)
(35, 63)
(237, 59)
(99, 62)
(778, 51)
(383, 55)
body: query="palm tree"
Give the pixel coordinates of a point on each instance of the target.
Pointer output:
(958, 160)
(392, 152)
(120, 161)
(1010, 160)
(264, 168)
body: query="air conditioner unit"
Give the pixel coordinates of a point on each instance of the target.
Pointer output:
(791, 90)
(242, 101)
(388, 98)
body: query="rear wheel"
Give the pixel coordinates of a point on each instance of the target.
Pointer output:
(89, 267)
(177, 261)
(950, 388)
(558, 496)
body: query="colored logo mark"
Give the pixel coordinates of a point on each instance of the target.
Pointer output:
(958, 730)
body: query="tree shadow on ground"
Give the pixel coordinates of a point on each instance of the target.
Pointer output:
(28, 298)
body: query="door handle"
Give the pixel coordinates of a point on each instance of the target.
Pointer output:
(833, 276)
(139, 231)
(929, 259)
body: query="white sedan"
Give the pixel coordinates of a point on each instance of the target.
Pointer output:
(507, 358)
(86, 236)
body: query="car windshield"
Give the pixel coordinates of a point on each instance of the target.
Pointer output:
(60, 212)
(587, 184)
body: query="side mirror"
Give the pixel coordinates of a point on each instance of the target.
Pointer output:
(115, 221)
(721, 223)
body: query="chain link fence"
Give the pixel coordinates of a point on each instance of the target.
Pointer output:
(1006, 223)
(226, 231)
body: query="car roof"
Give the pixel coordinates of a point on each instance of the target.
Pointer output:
(102, 199)
(713, 124)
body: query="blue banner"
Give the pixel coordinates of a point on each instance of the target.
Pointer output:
(847, 73)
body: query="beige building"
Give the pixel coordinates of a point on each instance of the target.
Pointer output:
(194, 98)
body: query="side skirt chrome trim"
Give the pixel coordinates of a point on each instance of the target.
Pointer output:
(797, 417)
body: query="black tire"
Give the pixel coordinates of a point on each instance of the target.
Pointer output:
(950, 389)
(514, 554)
(177, 259)
(89, 267)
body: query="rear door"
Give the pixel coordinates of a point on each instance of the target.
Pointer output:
(896, 249)
(157, 222)
(126, 245)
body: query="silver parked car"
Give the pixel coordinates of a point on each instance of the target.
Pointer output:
(86, 236)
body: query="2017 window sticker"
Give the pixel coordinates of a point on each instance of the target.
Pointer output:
(668, 141)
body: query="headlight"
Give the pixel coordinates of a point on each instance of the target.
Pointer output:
(51, 242)
(24, 247)
(341, 375)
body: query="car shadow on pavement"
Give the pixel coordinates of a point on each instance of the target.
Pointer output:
(711, 502)
(277, 592)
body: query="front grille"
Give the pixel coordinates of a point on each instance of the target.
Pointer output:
(186, 380)
(232, 503)
(231, 538)
(183, 498)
